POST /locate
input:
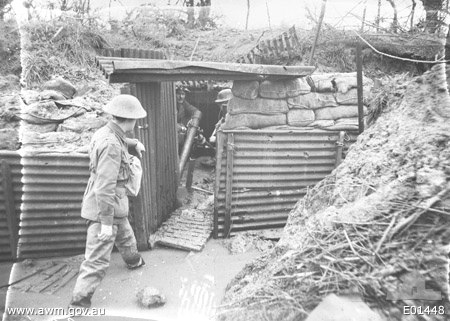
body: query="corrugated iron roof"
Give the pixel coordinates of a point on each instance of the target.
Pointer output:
(150, 70)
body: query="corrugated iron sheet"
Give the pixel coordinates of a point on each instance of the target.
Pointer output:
(158, 133)
(167, 152)
(270, 172)
(53, 188)
(7, 250)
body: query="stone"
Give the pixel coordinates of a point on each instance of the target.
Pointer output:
(150, 297)
(61, 85)
(337, 308)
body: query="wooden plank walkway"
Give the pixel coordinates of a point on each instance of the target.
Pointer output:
(186, 229)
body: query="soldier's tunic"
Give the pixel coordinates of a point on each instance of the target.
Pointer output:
(105, 202)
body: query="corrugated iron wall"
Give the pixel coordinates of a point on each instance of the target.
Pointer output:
(157, 132)
(260, 175)
(53, 188)
(9, 221)
(167, 152)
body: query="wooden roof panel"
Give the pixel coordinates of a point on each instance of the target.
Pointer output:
(149, 70)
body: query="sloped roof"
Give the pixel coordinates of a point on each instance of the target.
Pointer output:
(151, 70)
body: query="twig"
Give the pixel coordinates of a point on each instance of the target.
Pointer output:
(400, 58)
(195, 48)
(385, 234)
(411, 219)
(354, 251)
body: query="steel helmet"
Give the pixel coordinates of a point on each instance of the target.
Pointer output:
(125, 106)
(224, 95)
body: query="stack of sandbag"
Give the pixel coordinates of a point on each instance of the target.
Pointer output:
(264, 104)
(335, 100)
(326, 101)
(54, 118)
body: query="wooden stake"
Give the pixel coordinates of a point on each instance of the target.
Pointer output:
(319, 25)
(359, 77)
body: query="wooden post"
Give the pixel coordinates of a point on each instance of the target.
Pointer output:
(190, 173)
(219, 153)
(229, 184)
(359, 77)
(339, 147)
(319, 26)
(11, 217)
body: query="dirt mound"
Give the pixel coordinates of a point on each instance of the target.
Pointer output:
(380, 217)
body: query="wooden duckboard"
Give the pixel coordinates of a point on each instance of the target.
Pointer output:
(187, 229)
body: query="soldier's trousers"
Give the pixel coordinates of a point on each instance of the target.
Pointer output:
(97, 258)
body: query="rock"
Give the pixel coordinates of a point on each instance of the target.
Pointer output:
(150, 297)
(334, 308)
(61, 85)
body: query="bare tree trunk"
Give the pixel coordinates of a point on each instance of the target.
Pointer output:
(248, 14)
(378, 15)
(268, 15)
(363, 18)
(319, 25)
(412, 14)
(395, 20)
(432, 17)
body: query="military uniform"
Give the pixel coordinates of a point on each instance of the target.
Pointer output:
(185, 112)
(105, 202)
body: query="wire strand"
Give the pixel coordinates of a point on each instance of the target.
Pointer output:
(400, 58)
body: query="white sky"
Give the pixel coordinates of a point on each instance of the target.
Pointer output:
(339, 13)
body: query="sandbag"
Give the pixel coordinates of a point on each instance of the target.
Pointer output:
(245, 89)
(279, 89)
(347, 121)
(337, 82)
(41, 128)
(254, 121)
(51, 94)
(300, 117)
(344, 111)
(87, 122)
(351, 97)
(343, 83)
(257, 106)
(322, 123)
(312, 101)
(61, 85)
(322, 82)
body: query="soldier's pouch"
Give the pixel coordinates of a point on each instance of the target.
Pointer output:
(133, 184)
(121, 206)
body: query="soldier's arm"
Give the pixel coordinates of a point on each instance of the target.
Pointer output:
(108, 166)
